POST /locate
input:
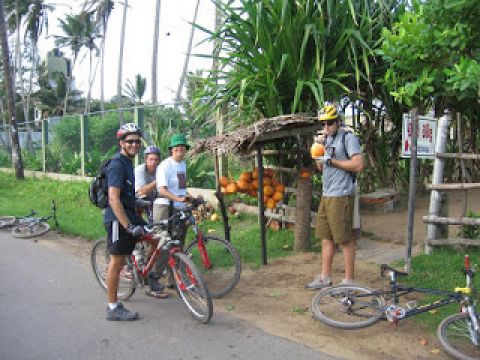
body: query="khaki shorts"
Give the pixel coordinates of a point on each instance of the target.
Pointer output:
(335, 219)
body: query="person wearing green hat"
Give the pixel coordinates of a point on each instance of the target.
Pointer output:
(171, 179)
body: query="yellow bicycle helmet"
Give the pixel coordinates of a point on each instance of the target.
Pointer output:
(329, 112)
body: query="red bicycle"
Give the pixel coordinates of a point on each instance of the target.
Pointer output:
(187, 279)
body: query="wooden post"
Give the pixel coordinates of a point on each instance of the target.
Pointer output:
(303, 204)
(83, 141)
(412, 189)
(44, 143)
(221, 202)
(462, 162)
(438, 168)
(261, 206)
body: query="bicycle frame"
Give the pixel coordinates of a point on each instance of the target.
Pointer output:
(200, 243)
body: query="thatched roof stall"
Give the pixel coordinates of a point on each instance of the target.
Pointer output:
(253, 138)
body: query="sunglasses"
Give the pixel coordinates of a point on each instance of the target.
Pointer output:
(130, 142)
(329, 122)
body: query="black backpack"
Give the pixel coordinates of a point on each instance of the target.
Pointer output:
(98, 192)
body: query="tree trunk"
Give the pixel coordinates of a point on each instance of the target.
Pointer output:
(156, 27)
(302, 214)
(120, 58)
(16, 154)
(187, 57)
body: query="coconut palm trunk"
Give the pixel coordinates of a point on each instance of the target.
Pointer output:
(120, 58)
(302, 214)
(16, 154)
(156, 27)
(187, 57)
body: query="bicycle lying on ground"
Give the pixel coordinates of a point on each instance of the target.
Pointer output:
(29, 226)
(355, 307)
(188, 280)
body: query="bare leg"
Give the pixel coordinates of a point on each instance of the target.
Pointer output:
(328, 250)
(113, 276)
(349, 259)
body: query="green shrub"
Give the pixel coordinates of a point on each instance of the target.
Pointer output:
(471, 231)
(67, 133)
(32, 161)
(5, 160)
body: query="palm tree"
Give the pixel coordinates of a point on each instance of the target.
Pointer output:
(136, 90)
(187, 57)
(156, 26)
(16, 153)
(120, 56)
(91, 35)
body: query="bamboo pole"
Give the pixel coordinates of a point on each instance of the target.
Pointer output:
(438, 168)
(444, 155)
(432, 219)
(261, 206)
(453, 186)
(462, 161)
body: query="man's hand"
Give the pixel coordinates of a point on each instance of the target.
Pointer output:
(135, 230)
(186, 199)
(324, 160)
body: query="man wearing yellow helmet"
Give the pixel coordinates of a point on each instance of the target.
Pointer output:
(343, 157)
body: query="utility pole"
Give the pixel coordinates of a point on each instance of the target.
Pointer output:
(16, 154)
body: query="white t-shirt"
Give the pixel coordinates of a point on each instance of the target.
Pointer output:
(173, 175)
(142, 178)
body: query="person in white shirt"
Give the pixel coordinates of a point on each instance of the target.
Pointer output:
(171, 178)
(145, 184)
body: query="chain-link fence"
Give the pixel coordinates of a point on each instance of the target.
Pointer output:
(77, 144)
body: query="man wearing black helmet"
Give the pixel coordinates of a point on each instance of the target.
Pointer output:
(145, 184)
(123, 225)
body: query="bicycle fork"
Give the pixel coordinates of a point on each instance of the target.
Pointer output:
(474, 327)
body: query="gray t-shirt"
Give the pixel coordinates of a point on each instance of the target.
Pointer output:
(337, 182)
(142, 178)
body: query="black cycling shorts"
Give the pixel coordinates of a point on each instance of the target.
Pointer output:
(119, 242)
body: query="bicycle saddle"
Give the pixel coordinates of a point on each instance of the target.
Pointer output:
(142, 204)
(385, 267)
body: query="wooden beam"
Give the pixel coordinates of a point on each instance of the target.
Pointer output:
(430, 219)
(458, 241)
(289, 133)
(461, 156)
(453, 186)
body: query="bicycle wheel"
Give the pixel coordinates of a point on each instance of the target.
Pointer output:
(455, 333)
(100, 258)
(30, 230)
(223, 272)
(6, 221)
(192, 288)
(347, 307)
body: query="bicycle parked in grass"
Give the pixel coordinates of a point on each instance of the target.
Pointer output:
(29, 226)
(188, 280)
(355, 307)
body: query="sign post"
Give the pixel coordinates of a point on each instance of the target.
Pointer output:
(426, 137)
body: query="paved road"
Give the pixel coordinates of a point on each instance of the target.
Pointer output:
(52, 308)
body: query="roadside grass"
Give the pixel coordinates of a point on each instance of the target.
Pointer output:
(442, 270)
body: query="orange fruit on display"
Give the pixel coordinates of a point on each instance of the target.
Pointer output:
(255, 184)
(255, 173)
(246, 176)
(317, 150)
(277, 196)
(271, 204)
(280, 188)
(267, 181)
(231, 188)
(223, 181)
(305, 173)
(268, 190)
(242, 185)
(223, 190)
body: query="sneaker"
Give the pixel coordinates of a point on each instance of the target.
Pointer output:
(347, 282)
(318, 283)
(121, 314)
(153, 283)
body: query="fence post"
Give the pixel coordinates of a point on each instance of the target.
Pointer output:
(437, 178)
(83, 141)
(138, 119)
(44, 143)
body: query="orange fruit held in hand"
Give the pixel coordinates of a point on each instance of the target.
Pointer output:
(317, 150)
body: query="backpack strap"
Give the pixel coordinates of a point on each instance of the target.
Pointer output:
(343, 134)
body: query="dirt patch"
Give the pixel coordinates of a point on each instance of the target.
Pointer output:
(274, 299)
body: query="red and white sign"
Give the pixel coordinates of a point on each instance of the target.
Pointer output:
(427, 131)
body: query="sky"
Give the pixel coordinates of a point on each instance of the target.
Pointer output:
(175, 18)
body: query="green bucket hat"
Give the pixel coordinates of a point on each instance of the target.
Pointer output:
(178, 139)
